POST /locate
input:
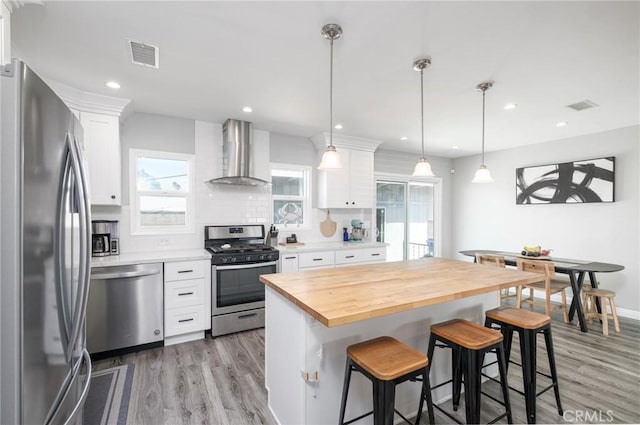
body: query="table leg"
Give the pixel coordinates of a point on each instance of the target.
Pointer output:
(594, 285)
(576, 303)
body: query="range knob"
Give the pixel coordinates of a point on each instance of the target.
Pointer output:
(248, 258)
(225, 260)
(262, 257)
(233, 259)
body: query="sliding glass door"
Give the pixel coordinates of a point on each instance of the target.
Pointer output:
(406, 217)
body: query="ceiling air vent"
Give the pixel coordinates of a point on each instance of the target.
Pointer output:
(581, 106)
(144, 54)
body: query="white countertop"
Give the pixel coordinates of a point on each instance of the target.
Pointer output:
(329, 246)
(159, 256)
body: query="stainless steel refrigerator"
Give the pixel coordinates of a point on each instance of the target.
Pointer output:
(45, 254)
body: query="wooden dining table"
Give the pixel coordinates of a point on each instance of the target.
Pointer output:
(577, 270)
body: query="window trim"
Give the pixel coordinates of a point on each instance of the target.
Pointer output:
(306, 199)
(135, 194)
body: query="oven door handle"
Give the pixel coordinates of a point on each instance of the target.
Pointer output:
(246, 266)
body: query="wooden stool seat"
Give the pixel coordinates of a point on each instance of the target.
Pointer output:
(590, 297)
(517, 317)
(387, 358)
(466, 334)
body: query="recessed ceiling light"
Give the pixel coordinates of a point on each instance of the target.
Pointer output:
(404, 138)
(561, 124)
(247, 109)
(113, 85)
(338, 127)
(455, 147)
(510, 106)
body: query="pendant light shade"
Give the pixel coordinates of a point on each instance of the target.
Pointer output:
(482, 174)
(423, 168)
(330, 157)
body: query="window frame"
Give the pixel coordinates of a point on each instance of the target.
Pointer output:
(135, 194)
(306, 198)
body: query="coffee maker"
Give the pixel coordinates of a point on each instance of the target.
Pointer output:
(105, 238)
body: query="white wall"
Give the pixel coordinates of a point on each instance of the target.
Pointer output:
(487, 217)
(5, 34)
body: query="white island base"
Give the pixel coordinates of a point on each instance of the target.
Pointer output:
(305, 360)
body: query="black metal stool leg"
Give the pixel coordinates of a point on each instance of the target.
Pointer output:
(552, 367)
(472, 361)
(426, 388)
(345, 390)
(528, 350)
(502, 366)
(457, 368)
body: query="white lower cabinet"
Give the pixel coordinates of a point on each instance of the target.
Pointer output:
(329, 259)
(187, 300)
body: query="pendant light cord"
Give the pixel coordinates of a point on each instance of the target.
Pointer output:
(331, 95)
(422, 108)
(483, 94)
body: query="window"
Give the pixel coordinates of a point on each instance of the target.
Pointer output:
(291, 195)
(161, 192)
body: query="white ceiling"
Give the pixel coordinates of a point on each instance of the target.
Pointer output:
(216, 57)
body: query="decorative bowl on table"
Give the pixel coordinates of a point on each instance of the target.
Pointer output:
(534, 251)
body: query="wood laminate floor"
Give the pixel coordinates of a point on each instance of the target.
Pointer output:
(221, 381)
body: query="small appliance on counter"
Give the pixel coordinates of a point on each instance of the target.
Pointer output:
(105, 238)
(358, 232)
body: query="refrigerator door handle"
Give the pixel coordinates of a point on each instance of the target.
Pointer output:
(85, 390)
(86, 359)
(84, 272)
(64, 317)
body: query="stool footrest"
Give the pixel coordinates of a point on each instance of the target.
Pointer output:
(350, 421)
(449, 415)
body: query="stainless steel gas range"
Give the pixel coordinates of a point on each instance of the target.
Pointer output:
(238, 257)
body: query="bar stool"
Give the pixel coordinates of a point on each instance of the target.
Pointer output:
(590, 297)
(469, 342)
(497, 261)
(528, 324)
(387, 362)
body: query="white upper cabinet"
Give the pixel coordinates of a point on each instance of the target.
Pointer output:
(102, 150)
(353, 185)
(100, 119)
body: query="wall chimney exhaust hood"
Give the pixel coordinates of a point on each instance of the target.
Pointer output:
(237, 137)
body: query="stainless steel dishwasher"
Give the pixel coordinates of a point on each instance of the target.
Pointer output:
(125, 307)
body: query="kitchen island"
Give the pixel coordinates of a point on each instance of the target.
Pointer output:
(312, 316)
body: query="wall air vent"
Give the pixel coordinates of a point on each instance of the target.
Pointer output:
(581, 106)
(144, 54)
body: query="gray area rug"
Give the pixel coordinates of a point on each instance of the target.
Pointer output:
(109, 394)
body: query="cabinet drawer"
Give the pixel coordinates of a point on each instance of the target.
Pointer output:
(288, 263)
(314, 259)
(183, 320)
(183, 293)
(184, 270)
(374, 254)
(349, 256)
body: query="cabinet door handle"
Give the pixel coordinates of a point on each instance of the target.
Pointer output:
(185, 320)
(353, 203)
(346, 203)
(318, 259)
(349, 256)
(375, 255)
(185, 293)
(246, 316)
(289, 258)
(185, 271)
(113, 196)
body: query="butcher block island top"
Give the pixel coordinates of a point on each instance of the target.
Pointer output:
(350, 294)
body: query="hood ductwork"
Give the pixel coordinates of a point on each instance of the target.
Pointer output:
(237, 137)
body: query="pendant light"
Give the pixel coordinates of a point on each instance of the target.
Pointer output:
(482, 174)
(331, 158)
(423, 168)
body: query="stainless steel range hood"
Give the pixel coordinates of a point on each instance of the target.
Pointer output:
(237, 137)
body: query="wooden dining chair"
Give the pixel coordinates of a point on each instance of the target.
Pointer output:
(497, 261)
(546, 284)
